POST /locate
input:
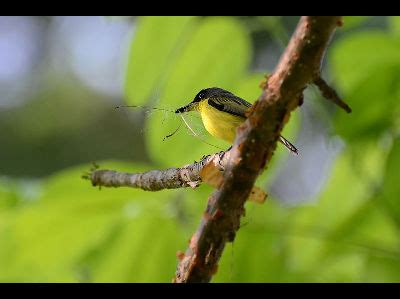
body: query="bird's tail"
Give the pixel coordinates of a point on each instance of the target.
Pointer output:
(288, 145)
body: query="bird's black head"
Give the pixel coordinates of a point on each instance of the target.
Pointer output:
(211, 92)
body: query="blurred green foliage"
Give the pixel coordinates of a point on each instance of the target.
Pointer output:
(63, 229)
(41, 137)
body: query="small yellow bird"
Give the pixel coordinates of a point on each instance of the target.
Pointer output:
(222, 112)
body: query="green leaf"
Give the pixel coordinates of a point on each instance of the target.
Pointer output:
(314, 224)
(354, 59)
(368, 80)
(346, 223)
(9, 196)
(382, 269)
(319, 216)
(145, 248)
(260, 262)
(258, 253)
(145, 251)
(370, 229)
(152, 53)
(217, 54)
(373, 101)
(75, 232)
(344, 267)
(47, 239)
(353, 21)
(391, 186)
(394, 25)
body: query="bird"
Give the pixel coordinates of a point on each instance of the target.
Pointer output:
(222, 112)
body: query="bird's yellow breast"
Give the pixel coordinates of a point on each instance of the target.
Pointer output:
(219, 123)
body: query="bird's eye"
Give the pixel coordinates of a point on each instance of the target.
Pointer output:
(199, 96)
(202, 94)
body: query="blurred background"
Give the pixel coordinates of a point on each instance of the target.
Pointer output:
(332, 215)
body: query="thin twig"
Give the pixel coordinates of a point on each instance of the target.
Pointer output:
(330, 94)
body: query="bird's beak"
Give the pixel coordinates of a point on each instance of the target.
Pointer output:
(187, 108)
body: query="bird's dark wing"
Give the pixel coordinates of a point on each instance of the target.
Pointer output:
(233, 105)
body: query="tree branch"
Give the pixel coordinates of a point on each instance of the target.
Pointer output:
(208, 170)
(155, 180)
(254, 145)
